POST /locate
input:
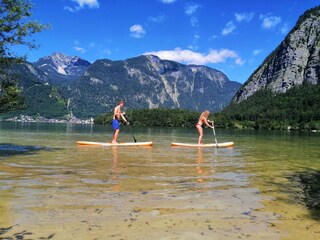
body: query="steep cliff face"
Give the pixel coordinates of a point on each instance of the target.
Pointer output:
(296, 60)
(149, 82)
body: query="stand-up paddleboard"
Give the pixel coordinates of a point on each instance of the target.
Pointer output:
(219, 145)
(103, 144)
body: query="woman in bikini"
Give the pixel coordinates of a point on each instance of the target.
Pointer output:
(203, 119)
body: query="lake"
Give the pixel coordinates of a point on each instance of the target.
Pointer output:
(265, 187)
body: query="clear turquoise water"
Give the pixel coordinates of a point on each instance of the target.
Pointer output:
(266, 184)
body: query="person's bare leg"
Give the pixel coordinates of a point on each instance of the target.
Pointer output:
(200, 131)
(115, 136)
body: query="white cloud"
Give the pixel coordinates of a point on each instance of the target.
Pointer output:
(244, 17)
(191, 9)
(167, 1)
(269, 22)
(284, 29)
(194, 45)
(80, 49)
(158, 19)
(239, 61)
(106, 51)
(256, 52)
(191, 57)
(92, 45)
(89, 3)
(82, 4)
(194, 21)
(70, 9)
(230, 27)
(137, 31)
(213, 37)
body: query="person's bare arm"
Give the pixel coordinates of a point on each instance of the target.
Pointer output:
(207, 123)
(124, 118)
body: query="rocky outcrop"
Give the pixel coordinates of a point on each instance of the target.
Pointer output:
(61, 68)
(294, 61)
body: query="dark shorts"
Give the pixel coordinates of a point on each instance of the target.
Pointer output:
(115, 124)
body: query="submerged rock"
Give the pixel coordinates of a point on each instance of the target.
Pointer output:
(310, 184)
(8, 150)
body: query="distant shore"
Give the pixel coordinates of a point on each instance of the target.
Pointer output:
(26, 118)
(74, 120)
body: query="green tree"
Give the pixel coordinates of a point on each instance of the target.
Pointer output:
(156, 117)
(10, 97)
(15, 29)
(298, 108)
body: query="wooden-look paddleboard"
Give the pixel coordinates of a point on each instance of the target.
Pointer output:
(102, 144)
(220, 145)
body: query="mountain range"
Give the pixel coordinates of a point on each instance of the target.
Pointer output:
(62, 86)
(149, 82)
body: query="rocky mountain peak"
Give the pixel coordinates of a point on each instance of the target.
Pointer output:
(61, 67)
(294, 61)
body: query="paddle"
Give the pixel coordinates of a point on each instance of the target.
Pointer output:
(134, 139)
(214, 134)
(215, 138)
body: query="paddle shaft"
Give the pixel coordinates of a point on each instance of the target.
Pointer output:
(134, 139)
(215, 138)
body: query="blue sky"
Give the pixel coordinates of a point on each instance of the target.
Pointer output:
(233, 36)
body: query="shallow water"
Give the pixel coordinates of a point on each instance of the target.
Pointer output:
(265, 187)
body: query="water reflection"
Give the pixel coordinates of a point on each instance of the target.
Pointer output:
(115, 170)
(199, 163)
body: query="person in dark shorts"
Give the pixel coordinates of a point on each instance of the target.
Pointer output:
(117, 115)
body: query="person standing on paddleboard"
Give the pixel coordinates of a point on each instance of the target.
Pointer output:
(203, 119)
(117, 115)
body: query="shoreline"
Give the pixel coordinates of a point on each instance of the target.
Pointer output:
(74, 120)
(40, 119)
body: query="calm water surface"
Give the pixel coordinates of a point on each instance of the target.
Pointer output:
(265, 187)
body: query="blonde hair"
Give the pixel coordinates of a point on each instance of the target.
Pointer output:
(204, 114)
